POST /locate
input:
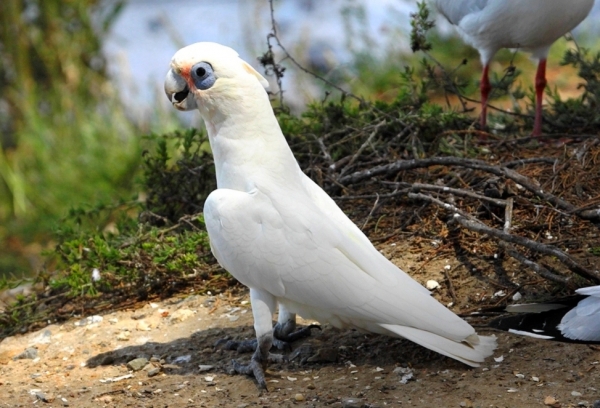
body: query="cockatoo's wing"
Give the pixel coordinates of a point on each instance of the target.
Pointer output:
(315, 264)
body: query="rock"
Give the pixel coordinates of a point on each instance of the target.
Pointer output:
(29, 353)
(576, 394)
(205, 367)
(182, 359)
(596, 404)
(180, 315)
(351, 403)
(551, 402)
(42, 338)
(89, 320)
(124, 335)
(299, 397)
(431, 284)
(137, 364)
(153, 371)
(406, 374)
(45, 397)
(142, 326)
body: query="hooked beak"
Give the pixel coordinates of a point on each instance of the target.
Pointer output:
(178, 92)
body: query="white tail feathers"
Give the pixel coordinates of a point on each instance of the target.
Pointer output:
(472, 351)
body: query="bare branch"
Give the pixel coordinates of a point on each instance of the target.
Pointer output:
(298, 65)
(518, 178)
(471, 223)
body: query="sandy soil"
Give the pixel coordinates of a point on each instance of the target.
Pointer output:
(84, 362)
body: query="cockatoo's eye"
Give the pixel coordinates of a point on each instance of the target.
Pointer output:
(203, 75)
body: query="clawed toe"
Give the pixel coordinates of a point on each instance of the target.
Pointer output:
(243, 346)
(298, 334)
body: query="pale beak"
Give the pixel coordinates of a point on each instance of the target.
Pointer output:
(178, 92)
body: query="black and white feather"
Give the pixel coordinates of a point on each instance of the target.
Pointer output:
(573, 319)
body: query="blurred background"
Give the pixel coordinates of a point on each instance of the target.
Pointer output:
(81, 82)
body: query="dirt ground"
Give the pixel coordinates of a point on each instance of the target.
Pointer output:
(84, 362)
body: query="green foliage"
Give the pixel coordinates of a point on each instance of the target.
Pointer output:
(581, 114)
(177, 187)
(64, 136)
(420, 25)
(133, 257)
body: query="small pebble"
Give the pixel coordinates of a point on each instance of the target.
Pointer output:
(44, 397)
(123, 336)
(137, 364)
(89, 320)
(29, 353)
(576, 394)
(205, 367)
(153, 371)
(431, 285)
(142, 326)
(351, 403)
(299, 397)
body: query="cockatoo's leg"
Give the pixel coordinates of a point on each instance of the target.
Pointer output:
(284, 333)
(263, 307)
(285, 329)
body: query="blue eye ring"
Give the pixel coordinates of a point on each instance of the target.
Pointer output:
(203, 75)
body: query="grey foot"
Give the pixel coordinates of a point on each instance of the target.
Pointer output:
(256, 368)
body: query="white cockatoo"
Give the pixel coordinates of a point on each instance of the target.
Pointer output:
(574, 319)
(532, 25)
(280, 234)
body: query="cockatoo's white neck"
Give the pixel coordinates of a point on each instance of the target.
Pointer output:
(246, 140)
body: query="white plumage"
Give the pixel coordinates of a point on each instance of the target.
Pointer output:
(281, 235)
(532, 25)
(583, 321)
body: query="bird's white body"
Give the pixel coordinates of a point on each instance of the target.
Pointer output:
(281, 235)
(532, 25)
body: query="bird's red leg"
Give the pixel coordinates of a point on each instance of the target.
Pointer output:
(485, 88)
(540, 85)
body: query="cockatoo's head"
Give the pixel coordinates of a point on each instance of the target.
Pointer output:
(209, 76)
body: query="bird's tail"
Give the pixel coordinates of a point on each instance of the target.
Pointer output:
(472, 351)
